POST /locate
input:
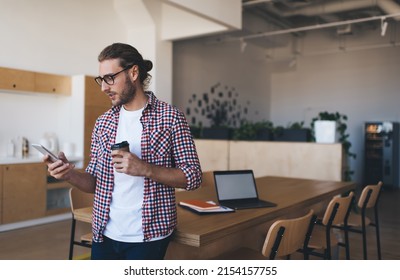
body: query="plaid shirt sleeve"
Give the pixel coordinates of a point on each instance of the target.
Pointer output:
(185, 154)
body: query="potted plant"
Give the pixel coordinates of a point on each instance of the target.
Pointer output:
(324, 123)
(340, 131)
(265, 130)
(325, 129)
(196, 130)
(295, 132)
(254, 131)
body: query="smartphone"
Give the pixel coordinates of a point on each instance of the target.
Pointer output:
(45, 151)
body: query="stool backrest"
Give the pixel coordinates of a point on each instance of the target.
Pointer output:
(79, 199)
(372, 198)
(287, 235)
(337, 209)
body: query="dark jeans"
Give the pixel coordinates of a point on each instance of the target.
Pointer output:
(116, 250)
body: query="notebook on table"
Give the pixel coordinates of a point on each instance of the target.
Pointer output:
(237, 189)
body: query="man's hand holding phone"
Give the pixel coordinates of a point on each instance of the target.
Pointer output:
(57, 166)
(60, 168)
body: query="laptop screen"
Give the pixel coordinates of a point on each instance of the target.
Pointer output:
(235, 184)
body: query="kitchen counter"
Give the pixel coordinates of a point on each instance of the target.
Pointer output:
(31, 159)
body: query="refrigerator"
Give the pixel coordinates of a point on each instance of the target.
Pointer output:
(381, 159)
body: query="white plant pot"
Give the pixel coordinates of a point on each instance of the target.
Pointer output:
(325, 132)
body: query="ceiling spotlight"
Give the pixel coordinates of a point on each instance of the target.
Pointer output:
(384, 25)
(243, 45)
(344, 30)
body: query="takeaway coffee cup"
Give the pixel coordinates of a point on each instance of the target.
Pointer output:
(124, 146)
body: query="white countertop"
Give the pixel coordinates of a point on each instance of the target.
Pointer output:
(31, 159)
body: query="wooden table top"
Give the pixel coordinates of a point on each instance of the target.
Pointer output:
(292, 196)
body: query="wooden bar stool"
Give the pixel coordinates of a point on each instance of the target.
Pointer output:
(284, 238)
(322, 237)
(358, 222)
(81, 208)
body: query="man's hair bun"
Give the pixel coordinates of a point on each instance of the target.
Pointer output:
(148, 65)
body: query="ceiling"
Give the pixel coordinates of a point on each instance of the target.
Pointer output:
(297, 13)
(264, 21)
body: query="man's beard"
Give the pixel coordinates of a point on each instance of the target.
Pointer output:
(127, 94)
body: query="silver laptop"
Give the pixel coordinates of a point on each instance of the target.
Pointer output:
(237, 189)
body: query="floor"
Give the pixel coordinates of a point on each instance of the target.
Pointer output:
(51, 241)
(44, 242)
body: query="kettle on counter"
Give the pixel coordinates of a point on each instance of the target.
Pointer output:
(50, 141)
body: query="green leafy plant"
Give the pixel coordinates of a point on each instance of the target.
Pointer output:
(341, 128)
(295, 131)
(251, 130)
(196, 130)
(296, 125)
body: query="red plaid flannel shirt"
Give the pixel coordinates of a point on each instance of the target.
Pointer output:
(166, 141)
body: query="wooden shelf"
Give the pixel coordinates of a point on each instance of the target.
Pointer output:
(16, 80)
(13, 79)
(50, 83)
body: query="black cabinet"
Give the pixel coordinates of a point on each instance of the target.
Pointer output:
(382, 153)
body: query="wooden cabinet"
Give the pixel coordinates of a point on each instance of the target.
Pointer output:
(28, 192)
(24, 192)
(18, 80)
(96, 103)
(29, 81)
(49, 83)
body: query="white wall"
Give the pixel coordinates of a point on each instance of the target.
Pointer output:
(198, 66)
(60, 37)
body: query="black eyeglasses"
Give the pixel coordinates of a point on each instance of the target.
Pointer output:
(109, 79)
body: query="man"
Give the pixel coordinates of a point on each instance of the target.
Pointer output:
(134, 211)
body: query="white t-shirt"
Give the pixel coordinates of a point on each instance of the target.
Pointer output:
(125, 222)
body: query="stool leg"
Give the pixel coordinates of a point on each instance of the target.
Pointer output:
(72, 239)
(378, 243)
(335, 252)
(364, 236)
(378, 238)
(347, 245)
